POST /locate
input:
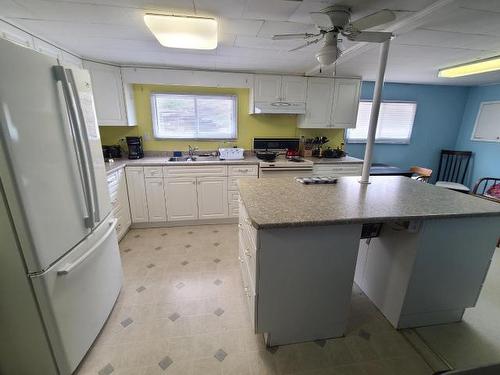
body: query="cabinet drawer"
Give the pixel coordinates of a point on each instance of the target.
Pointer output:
(248, 254)
(246, 227)
(336, 169)
(115, 201)
(195, 171)
(153, 172)
(232, 183)
(249, 291)
(234, 210)
(243, 170)
(233, 197)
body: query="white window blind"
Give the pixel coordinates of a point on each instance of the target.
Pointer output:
(487, 127)
(395, 122)
(185, 116)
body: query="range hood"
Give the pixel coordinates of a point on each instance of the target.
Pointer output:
(279, 107)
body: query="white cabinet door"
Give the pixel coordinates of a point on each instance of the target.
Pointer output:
(345, 103)
(293, 89)
(181, 197)
(318, 103)
(108, 94)
(267, 88)
(156, 199)
(212, 197)
(137, 194)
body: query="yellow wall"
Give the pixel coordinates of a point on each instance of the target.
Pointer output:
(249, 126)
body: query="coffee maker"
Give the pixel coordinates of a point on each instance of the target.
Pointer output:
(135, 150)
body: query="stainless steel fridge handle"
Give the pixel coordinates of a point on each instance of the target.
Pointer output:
(71, 266)
(85, 141)
(61, 76)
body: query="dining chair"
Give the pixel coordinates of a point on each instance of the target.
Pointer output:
(421, 174)
(453, 166)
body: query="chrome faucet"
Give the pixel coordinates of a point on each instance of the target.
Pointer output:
(192, 150)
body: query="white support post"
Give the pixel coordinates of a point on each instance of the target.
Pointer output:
(377, 98)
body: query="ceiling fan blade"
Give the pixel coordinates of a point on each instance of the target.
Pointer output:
(369, 36)
(294, 36)
(308, 43)
(374, 19)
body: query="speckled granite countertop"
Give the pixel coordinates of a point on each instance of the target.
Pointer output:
(163, 161)
(283, 202)
(249, 159)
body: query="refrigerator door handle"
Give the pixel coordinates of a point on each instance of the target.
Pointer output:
(71, 266)
(85, 141)
(61, 76)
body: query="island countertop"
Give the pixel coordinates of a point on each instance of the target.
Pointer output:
(283, 202)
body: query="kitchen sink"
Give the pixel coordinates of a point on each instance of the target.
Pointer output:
(193, 158)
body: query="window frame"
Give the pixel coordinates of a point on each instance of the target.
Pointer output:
(385, 140)
(155, 119)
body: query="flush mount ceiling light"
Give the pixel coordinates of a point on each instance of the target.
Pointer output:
(480, 66)
(183, 31)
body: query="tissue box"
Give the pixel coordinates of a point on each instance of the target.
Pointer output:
(231, 153)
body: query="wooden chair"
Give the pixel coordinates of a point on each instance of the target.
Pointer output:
(421, 173)
(482, 189)
(453, 166)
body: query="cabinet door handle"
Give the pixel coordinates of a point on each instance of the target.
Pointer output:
(248, 254)
(240, 259)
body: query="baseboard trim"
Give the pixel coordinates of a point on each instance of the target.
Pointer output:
(169, 224)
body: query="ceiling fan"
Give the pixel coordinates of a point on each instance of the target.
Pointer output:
(335, 20)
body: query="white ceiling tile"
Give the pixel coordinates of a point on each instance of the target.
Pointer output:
(221, 8)
(9, 8)
(279, 10)
(265, 43)
(469, 21)
(270, 28)
(239, 26)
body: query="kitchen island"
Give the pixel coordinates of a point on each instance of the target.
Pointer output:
(299, 248)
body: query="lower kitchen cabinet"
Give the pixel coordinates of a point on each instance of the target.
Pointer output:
(155, 197)
(117, 186)
(212, 197)
(137, 194)
(181, 197)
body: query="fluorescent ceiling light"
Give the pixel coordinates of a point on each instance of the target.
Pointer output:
(183, 31)
(476, 67)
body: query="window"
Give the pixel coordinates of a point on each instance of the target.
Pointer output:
(185, 116)
(487, 127)
(395, 122)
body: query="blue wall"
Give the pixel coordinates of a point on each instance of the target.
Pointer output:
(486, 162)
(437, 123)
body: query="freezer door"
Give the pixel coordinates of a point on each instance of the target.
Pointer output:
(77, 294)
(80, 80)
(42, 157)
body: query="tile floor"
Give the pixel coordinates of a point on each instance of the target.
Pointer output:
(182, 311)
(476, 339)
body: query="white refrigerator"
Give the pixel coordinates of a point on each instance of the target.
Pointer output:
(60, 268)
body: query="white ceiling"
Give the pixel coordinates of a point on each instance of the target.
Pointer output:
(114, 31)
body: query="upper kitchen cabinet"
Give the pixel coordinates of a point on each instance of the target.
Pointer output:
(114, 101)
(331, 103)
(278, 94)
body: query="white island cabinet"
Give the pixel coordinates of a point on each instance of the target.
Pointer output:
(117, 186)
(426, 267)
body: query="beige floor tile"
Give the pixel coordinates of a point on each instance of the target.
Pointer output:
(172, 307)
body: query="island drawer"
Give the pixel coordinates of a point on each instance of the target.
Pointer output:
(243, 170)
(195, 171)
(232, 183)
(247, 227)
(153, 172)
(248, 254)
(249, 291)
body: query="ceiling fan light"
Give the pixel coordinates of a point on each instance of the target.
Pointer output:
(328, 54)
(476, 67)
(183, 31)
